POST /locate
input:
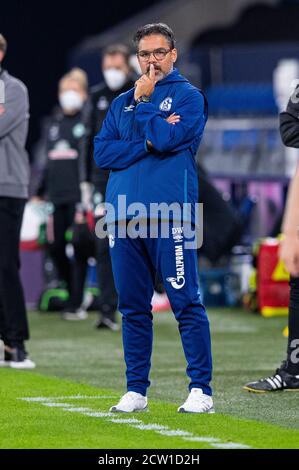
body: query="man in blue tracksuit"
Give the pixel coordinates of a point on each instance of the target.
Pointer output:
(149, 140)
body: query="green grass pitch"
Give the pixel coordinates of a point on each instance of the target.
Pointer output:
(64, 403)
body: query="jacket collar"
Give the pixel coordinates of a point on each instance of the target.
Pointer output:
(172, 77)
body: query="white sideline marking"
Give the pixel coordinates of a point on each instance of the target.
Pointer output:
(98, 414)
(57, 405)
(151, 427)
(176, 432)
(126, 421)
(131, 422)
(230, 445)
(202, 439)
(77, 410)
(35, 399)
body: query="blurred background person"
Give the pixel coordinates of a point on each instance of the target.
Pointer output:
(14, 181)
(286, 377)
(64, 178)
(118, 78)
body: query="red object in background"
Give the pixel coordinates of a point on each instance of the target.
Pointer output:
(273, 291)
(30, 245)
(90, 220)
(160, 302)
(82, 217)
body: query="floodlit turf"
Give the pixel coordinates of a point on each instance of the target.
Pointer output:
(62, 421)
(89, 362)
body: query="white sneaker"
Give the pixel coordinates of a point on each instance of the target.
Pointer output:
(197, 402)
(130, 402)
(25, 364)
(107, 323)
(75, 315)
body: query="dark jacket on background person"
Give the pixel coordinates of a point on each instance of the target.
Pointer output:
(289, 122)
(66, 159)
(101, 96)
(14, 116)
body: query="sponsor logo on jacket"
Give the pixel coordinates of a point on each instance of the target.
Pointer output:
(179, 281)
(129, 108)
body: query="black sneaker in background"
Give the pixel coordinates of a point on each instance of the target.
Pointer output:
(280, 381)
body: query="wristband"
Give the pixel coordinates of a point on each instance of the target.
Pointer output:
(143, 99)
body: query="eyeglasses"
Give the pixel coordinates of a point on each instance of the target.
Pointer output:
(159, 54)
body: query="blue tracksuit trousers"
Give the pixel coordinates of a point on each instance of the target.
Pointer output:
(135, 262)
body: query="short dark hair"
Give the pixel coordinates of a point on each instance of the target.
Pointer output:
(3, 44)
(154, 28)
(114, 49)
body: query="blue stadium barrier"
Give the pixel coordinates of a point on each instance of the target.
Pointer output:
(241, 99)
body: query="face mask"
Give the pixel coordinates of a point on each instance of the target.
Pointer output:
(71, 100)
(114, 78)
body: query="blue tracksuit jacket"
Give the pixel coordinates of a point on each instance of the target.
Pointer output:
(168, 174)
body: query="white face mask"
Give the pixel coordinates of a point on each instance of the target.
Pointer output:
(114, 78)
(71, 100)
